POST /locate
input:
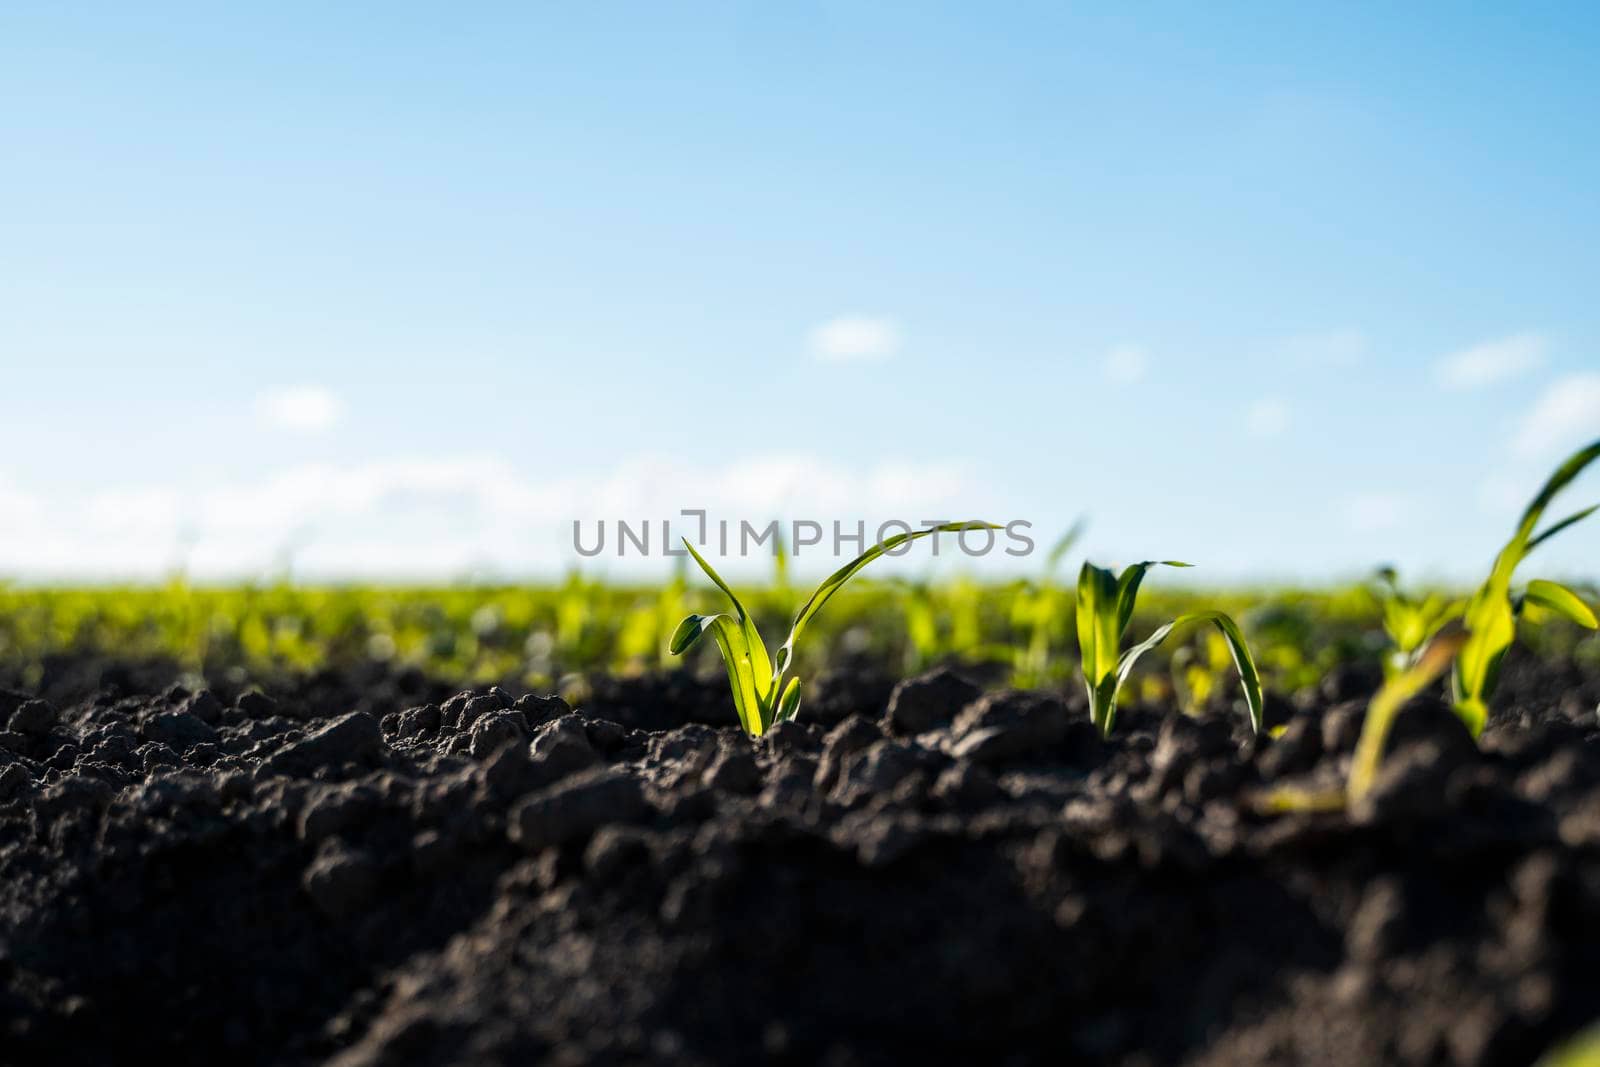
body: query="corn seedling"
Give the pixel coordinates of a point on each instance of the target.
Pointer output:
(924, 643)
(943, 622)
(780, 563)
(1491, 613)
(1430, 662)
(574, 630)
(760, 696)
(1410, 621)
(1105, 607)
(648, 626)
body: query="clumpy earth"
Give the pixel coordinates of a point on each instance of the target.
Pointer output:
(365, 868)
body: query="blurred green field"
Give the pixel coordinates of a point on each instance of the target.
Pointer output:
(554, 635)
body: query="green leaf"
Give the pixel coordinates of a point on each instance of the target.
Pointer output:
(1490, 615)
(789, 706)
(1438, 617)
(1410, 623)
(1063, 546)
(1103, 702)
(1128, 589)
(1561, 600)
(1243, 662)
(835, 581)
(1557, 527)
(1491, 627)
(743, 679)
(1104, 609)
(688, 632)
(1570, 468)
(755, 646)
(1098, 637)
(780, 562)
(1387, 702)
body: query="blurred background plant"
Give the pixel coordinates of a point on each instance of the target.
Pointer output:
(541, 635)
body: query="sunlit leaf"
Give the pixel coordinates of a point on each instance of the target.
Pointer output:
(1555, 597)
(1557, 527)
(1249, 677)
(1128, 589)
(758, 647)
(1099, 637)
(1105, 607)
(743, 680)
(1490, 615)
(789, 705)
(688, 632)
(835, 581)
(756, 684)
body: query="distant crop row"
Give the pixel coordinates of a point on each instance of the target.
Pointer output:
(549, 636)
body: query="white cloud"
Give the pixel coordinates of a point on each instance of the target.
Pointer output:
(437, 517)
(301, 408)
(1566, 414)
(1337, 348)
(19, 508)
(1126, 365)
(1376, 512)
(1490, 362)
(1267, 417)
(135, 510)
(856, 337)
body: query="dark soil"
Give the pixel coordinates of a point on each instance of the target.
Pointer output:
(365, 869)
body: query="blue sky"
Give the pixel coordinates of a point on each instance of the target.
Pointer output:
(1286, 291)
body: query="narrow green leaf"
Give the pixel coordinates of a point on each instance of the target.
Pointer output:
(1490, 616)
(688, 632)
(1473, 712)
(789, 706)
(1098, 637)
(1438, 619)
(780, 561)
(711, 572)
(1059, 550)
(1557, 527)
(742, 677)
(1561, 600)
(755, 645)
(1103, 702)
(1128, 594)
(1292, 800)
(1491, 627)
(1128, 589)
(1243, 662)
(1410, 623)
(1104, 608)
(1570, 468)
(832, 584)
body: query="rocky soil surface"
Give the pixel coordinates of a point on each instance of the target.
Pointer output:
(370, 870)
